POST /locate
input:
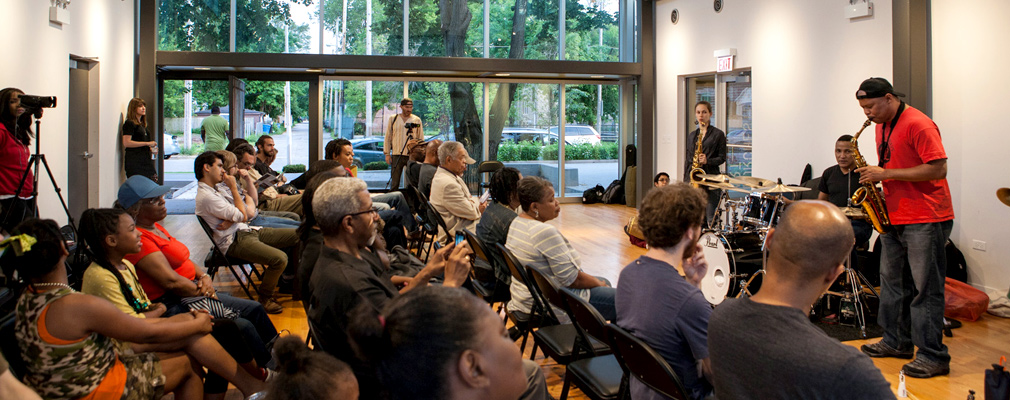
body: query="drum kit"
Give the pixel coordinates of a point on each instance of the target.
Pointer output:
(734, 244)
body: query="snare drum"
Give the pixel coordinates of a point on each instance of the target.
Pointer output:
(762, 210)
(732, 258)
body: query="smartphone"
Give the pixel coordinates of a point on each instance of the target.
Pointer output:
(485, 196)
(460, 238)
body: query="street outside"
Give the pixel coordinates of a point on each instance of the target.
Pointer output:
(179, 170)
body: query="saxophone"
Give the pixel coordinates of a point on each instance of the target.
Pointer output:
(868, 196)
(696, 171)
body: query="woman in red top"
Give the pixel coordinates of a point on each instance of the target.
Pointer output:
(15, 136)
(167, 275)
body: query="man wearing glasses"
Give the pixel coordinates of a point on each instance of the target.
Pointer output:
(913, 171)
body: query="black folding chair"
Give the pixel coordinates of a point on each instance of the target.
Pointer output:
(536, 317)
(441, 224)
(600, 377)
(560, 342)
(489, 167)
(428, 224)
(642, 362)
(217, 259)
(482, 279)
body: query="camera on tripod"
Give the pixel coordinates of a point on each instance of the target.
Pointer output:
(410, 125)
(37, 101)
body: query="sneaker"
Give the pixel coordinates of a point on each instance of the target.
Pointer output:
(922, 368)
(271, 305)
(881, 349)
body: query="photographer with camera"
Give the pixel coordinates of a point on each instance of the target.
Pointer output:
(140, 145)
(15, 137)
(402, 134)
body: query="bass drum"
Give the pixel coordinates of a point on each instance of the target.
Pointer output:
(732, 258)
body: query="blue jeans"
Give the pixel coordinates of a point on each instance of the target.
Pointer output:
(274, 222)
(913, 266)
(397, 203)
(602, 297)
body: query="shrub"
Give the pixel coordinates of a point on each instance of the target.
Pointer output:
(191, 151)
(376, 165)
(293, 168)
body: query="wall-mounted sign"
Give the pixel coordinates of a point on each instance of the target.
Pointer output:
(724, 64)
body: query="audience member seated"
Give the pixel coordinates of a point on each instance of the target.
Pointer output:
(344, 275)
(444, 343)
(76, 345)
(168, 276)
(765, 347)
(430, 166)
(266, 153)
(341, 150)
(631, 229)
(541, 246)
(671, 219)
(495, 221)
(393, 207)
(450, 196)
(269, 198)
(267, 219)
(309, 234)
(415, 162)
(110, 235)
(233, 235)
(306, 374)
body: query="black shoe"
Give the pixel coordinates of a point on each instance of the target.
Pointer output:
(515, 334)
(286, 286)
(881, 349)
(922, 368)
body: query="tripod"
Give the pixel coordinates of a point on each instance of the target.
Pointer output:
(854, 293)
(33, 161)
(400, 160)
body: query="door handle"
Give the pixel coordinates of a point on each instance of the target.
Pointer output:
(87, 155)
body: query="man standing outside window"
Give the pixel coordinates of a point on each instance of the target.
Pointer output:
(214, 131)
(403, 132)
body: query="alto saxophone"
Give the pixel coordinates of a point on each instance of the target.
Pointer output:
(868, 196)
(696, 171)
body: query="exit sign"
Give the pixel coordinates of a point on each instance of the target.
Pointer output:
(724, 64)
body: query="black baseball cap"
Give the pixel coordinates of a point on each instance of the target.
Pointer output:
(876, 87)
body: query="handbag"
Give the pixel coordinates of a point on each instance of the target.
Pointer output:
(216, 308)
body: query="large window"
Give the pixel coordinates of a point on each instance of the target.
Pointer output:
(590, 136)
(518, 29)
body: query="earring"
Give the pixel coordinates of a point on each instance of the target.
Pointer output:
(536, 213)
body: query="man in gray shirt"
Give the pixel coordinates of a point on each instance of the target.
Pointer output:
(765, 347)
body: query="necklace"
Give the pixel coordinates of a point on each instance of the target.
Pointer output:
(53, 284)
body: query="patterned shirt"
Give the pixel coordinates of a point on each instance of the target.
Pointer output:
(541, 246)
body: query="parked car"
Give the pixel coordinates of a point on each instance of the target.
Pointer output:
(171, 149)
(579, 134)
(515, 135)
(368, 150)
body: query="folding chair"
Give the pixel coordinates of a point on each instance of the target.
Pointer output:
(489, 167)
(536, 317)
(217, 259)
(641, 361)
(499, 292)
(560, 342)
(600, 377)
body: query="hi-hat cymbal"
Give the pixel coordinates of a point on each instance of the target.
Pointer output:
(1003, 194)
(755, 182)
(722, 185)
(780, 188)
(722, 178)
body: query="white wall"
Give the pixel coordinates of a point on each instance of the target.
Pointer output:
(37, 61)
(806, 59)
(969, 100)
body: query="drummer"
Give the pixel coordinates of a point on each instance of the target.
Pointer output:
(839, 181)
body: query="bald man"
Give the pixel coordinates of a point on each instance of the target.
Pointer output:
(765, 347)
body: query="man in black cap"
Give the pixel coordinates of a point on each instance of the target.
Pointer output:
(913, 169)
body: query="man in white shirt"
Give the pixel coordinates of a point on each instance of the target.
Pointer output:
(231, 233)
(403, 132)
(449, 193)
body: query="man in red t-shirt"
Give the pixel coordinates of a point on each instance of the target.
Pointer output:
(913, 171)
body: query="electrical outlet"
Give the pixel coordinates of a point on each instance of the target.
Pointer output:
(978, 245)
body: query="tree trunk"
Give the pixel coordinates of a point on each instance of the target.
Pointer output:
(499, 112)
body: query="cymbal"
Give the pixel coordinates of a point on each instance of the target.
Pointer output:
(722, 185)
(1003, 194)
(755, 182)
(780, 188)
(723, 178)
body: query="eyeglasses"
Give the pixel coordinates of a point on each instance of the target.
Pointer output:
(370, 210)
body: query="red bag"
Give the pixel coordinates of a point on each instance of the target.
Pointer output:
(964, 302)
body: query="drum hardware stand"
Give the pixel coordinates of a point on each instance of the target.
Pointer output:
(854, 294)
(744, 291)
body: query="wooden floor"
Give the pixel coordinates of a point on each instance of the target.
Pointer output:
(596, 232)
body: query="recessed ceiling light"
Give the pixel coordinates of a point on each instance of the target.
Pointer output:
(313, 70)
(410, 72)
(502, 74)
(596, 76)
(202, 68)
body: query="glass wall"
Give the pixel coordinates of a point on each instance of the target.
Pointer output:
(521, 115)
(517, 29)
(738, 124)
(591, 157)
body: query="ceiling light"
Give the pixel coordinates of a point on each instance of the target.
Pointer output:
(502, 74)
(313, 70)
(596, 76)
(202, 68)
(410, 72)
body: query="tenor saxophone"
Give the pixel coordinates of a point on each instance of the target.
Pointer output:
(696, 171)
(868, 196)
